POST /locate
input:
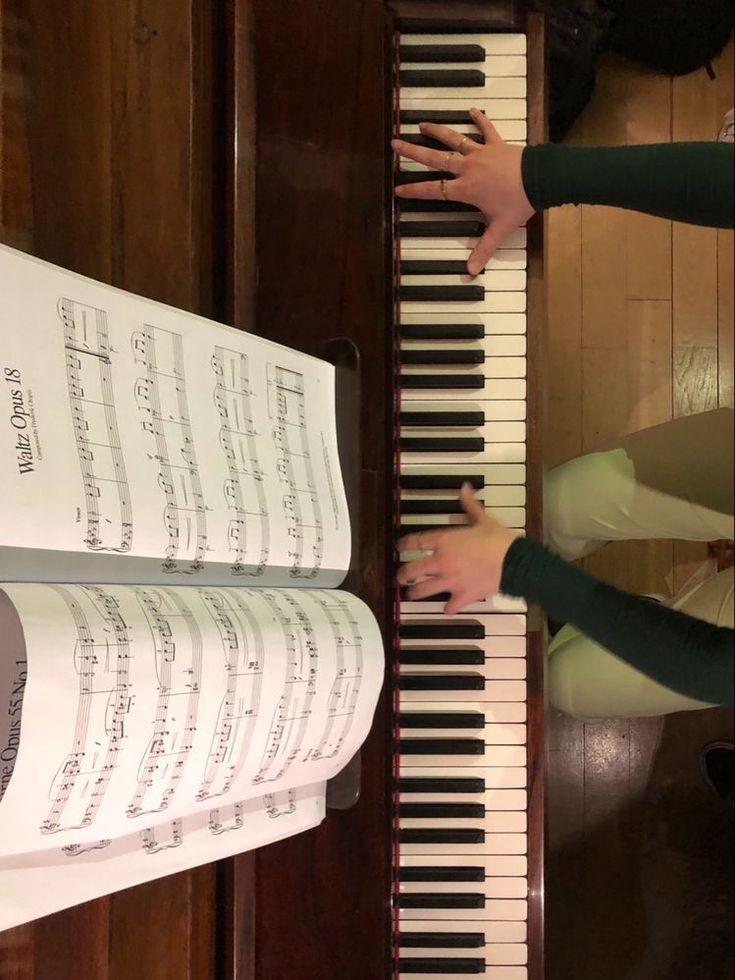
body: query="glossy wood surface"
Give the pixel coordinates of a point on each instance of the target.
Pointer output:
(231, 159)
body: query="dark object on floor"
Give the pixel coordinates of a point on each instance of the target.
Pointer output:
(718, 768)
(577, 35)
(671, 36)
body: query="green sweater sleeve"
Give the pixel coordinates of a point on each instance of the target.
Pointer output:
(684, 654)
(691, 182)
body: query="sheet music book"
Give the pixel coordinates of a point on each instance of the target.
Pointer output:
(179, 672)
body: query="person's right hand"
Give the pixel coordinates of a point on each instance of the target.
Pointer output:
(488, 177)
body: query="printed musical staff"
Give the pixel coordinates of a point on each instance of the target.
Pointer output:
(163, 837)
(300, 501)
(177, 644)
(102, 663)
(248, 533)
(223, 819)
(280, 804)
(94, 416)
(244, 651)
(345, 692)
(163, 406)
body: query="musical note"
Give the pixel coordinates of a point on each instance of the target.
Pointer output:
(94, 417)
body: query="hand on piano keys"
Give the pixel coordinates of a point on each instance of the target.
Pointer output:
(477, 169)
(466, 562)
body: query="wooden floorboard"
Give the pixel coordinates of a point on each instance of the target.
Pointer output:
(639, 875)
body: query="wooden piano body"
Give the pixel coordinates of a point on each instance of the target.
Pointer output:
(231, 158)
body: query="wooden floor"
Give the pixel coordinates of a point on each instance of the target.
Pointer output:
(640, 331)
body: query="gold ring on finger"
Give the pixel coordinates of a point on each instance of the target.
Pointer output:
(444, 195)
(449, 157)
(462, 143)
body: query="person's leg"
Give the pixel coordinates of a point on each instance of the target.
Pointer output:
(670, 481)
(587, 681)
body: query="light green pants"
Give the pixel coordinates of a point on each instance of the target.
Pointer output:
(671, 481)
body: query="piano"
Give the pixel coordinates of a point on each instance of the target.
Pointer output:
(233, 159)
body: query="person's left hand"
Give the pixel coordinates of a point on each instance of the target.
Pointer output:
(466, 562)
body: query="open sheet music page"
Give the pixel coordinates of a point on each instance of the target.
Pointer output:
(36, 884)
(123, 707)
(139, 443)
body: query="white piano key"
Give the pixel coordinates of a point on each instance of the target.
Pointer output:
(494, 691)
(504, 258)
(494, 822)
(493, 474)
(490, 496)
(492, 368)
(492, 604)
(492, 844)
(508, 129)
(495, 777)
(492, 302)
(490, 43)
(505, 909)
(494, 932)
(502, 87)
(491, 734)
(463, 244)
(494, 866)
(490, 887)
(494, 954)
(495, 757)
(502, 389)
(500, 714)
(497, 453)
(492, 280)
(494, 649)
(496, 346)
(499, 625)
(489, 973)
(493, 431)
(440, 521)
(491, 323)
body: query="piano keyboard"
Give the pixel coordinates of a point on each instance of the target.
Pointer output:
(461, 878)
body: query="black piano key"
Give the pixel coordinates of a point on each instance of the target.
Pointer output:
(410, 205)
(445, 356)
(434, 267)
(441, 294)
(442, 331)
(441, 682)
(431, 506)
(442, 78)
(457, 382)
(454, 966)
(444, 419)
(440, 444)
(440, 481)
(445, 117)
(435, 597)
(440, 900)
(444, 629)
(441, 873)
(419, 54)
(418, 139)
(441, 940)
(441, 746)
(447, 811)
(441, 719)
(441, 229)
(442, 784)
(450, 655)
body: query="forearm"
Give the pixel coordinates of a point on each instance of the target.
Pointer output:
(684, 654)
(690, 182)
